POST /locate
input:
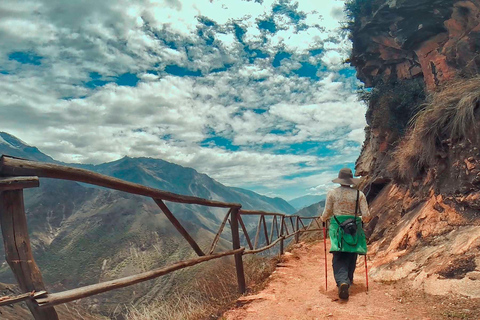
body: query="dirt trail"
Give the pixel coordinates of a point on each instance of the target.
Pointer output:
(296, 290)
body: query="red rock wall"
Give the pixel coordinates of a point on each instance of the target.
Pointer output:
(421, 229)
(434, 40)
(426, 242)
(431, 39)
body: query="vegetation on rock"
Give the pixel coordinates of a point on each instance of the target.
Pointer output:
(392, 105)
(449, 118)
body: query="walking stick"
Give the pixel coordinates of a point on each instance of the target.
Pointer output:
(366, 268)
(325, 249)
(366, 271)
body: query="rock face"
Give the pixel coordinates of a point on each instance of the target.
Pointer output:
(408, 39)
(426, 227)
(427, 241)
(401, 41)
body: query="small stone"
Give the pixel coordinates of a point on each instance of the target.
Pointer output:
(474, 275)
(470, 165)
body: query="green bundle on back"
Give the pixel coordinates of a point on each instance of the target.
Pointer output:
(344, 242)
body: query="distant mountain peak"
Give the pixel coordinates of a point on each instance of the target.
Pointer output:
(13, 141)
(160, 174)
(13, 146)
(307, 200)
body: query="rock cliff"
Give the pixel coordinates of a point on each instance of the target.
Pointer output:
(421, 159)
(404, 39)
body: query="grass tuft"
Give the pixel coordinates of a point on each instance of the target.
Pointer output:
(449, 117)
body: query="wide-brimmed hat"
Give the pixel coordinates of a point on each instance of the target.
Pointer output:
(345, 176)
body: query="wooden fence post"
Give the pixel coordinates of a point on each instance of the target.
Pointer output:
(297, 235)
(281, 235)
(179, 227)
(18, 251)
(238, 256)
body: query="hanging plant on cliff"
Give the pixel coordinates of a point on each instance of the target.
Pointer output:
(450, 117)
(355, 9)
(392, 105)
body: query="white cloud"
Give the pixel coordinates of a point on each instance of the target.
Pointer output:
(333, 60)
(264, 112)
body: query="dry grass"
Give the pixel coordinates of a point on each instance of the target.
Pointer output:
(258, 269)
(449, 115)
(310, 237)
(178, 306)
(213, 291)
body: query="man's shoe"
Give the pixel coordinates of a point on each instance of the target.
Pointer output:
(343, 291)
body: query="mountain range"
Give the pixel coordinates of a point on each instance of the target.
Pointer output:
(82, 234)
(312, 210)
(307, 200)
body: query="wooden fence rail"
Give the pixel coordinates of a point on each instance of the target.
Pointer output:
(83, 292)
(17, 174)
(11, 166)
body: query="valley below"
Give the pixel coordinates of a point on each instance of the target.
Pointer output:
(83, 235)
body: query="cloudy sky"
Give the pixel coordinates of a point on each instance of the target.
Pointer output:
(253, 93)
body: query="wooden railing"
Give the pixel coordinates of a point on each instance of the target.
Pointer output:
(18, 174)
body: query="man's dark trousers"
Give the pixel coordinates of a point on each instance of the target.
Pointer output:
(344, 264)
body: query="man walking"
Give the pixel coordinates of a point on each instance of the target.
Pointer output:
(346, 207)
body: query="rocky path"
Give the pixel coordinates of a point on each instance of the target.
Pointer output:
(296, 290)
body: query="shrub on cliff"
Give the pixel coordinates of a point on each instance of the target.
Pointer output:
(392, 105)
(355, 9)
(449, 117)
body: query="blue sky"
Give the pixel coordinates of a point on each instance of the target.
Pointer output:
(254, 93)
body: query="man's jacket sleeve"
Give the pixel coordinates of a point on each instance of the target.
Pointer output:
(328, 211)
(364, 207)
